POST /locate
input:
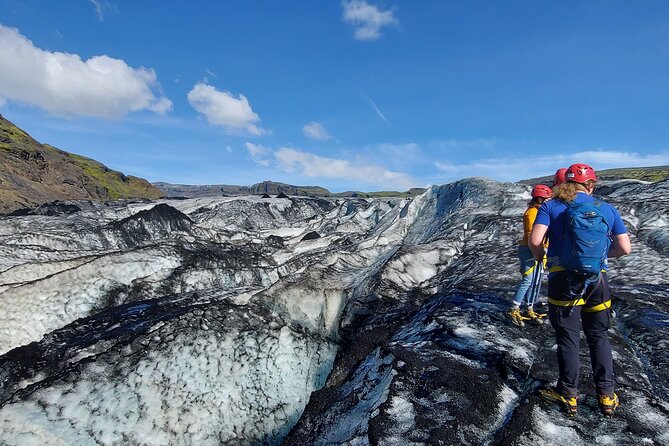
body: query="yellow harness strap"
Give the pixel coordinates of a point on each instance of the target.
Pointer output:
(558, 268)
(566, 303)
(601, 307)
(573, 303)
(529, 271)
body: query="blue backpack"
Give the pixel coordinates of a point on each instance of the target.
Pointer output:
(586, 241)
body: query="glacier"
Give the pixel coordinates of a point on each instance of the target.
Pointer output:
(324, 321)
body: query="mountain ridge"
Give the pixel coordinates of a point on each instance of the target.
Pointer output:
(271, 188)
(651, 174)
(34, 173)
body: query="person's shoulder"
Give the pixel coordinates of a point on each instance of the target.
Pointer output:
(582, 197)
(604, 203)
(611, 210)
(531, 214)
(554, 203)
(610, 207)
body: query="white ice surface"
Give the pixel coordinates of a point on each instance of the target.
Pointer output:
(217, 388)
(29, 311)
(28, 272)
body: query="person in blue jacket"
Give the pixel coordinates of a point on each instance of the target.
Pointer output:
(593, 310)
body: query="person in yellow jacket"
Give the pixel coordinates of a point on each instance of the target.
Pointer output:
(540, 193)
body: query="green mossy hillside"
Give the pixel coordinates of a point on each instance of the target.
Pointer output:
(651, 174)
(33, 173)
(117, 184)
(13, 138)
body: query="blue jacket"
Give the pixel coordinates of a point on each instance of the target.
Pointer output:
(552, 214)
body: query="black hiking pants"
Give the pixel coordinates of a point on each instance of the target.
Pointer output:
(567, 321)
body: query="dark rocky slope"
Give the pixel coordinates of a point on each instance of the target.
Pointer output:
(34, 173)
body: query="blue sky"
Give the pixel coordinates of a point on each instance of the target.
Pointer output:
(351, 94)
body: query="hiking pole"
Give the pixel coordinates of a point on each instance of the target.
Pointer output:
(533, 285)
(536, 282)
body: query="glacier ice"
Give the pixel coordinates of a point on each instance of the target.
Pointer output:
(214, 321)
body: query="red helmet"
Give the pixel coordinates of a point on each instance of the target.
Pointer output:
(580, 173)
(541, 191)
(560, 176)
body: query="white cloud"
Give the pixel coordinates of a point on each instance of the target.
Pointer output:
(98, 9)
(366, 19)
(65, 85)
(221, 108)
(610, 158)
(514, 169)
(210, 73)
(162, 105)
(310, 165)
(102, 6)
(317, 131)
(258, 153)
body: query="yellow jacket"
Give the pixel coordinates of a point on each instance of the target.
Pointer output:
(528, 221)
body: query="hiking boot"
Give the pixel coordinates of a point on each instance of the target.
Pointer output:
(553, 396)
(535, 317)
(516, 317)
(608, 404)
(531, 313)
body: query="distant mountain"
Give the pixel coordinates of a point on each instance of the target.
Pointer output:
(217, 190)
(651, 174)
(33, 173)
(413, 192)
(270, 188)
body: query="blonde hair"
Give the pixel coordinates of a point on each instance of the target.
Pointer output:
(567, 191)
